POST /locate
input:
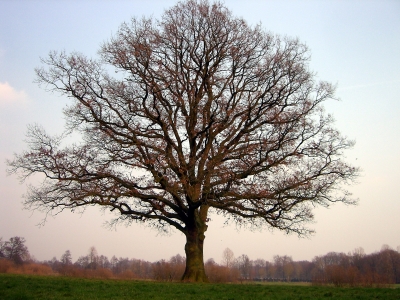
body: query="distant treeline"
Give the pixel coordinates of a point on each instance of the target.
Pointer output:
(340, 269)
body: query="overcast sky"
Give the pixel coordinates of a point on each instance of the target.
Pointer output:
(354, 44)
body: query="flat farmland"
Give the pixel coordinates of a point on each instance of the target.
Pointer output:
(14, 286)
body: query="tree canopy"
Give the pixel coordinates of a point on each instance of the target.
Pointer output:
(15, 250)
(202, 112)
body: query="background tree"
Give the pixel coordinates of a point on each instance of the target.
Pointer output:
(270, 270)
(15, 250)
(82, 262)
(259, 268)
(103, 262)
(204, 112)
(114, 263)
(93, 258)
(284, 267)
(66, 258)
(228, 258)
(64, 266)
(2, 254)
(244, 265)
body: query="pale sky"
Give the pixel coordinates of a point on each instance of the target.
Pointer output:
(354, 44)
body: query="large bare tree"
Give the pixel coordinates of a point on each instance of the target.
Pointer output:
(191, 112)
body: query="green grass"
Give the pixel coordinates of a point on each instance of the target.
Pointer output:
(42, 287)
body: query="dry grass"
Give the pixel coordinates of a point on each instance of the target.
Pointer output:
(9, 267)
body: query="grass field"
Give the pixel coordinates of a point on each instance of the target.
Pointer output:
(53, 287)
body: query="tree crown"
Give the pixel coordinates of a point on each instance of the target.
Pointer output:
(204, 111)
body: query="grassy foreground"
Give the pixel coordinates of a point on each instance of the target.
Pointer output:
(52, 287)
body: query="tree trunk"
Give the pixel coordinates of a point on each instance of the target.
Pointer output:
(194, 271)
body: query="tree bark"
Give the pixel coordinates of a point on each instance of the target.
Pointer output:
(194, 271)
